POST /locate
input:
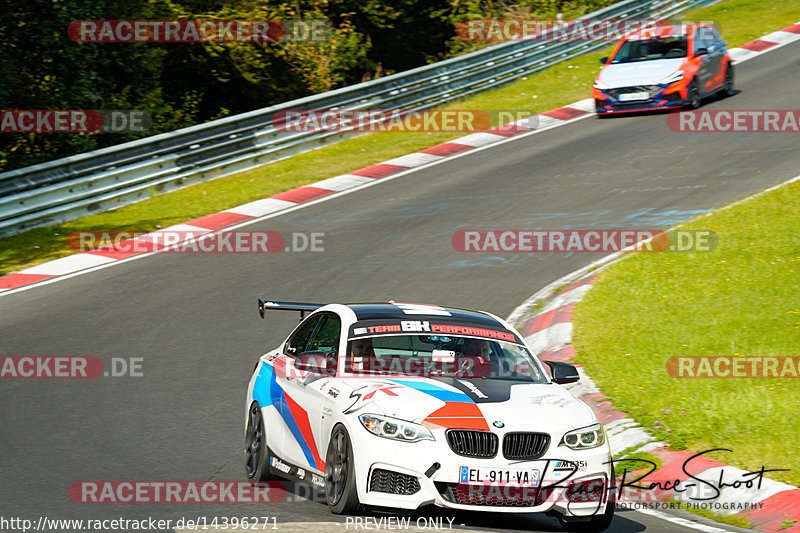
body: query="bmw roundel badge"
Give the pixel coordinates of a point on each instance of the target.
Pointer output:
(498, 424)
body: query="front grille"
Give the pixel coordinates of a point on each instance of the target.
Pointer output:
(393, 482)
(652, 90)
(525, 445)
(472, 443)
(493, 495)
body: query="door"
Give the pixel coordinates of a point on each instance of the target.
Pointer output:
(278, 421)
(304, 394)
(710, 62)
(717, 49)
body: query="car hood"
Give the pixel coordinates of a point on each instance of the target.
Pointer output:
(639, 73)
(471, 403)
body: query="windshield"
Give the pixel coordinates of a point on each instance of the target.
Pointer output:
(442, 356)
(649, 49)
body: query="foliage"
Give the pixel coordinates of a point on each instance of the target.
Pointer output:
(188, 83)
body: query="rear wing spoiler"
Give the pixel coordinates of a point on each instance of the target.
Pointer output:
(303, 308)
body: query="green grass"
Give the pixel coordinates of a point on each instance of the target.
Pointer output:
(739, 300)
(559, 289)
(740, 20)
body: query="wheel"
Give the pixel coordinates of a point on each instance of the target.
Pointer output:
(340, 481)
(256, 450)
(727, 88)
(693, 99)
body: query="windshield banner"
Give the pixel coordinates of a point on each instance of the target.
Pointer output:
(372, 328)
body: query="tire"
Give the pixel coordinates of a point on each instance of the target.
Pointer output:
(256, 451)
(728, 88)
(693, 99)
(340, 482)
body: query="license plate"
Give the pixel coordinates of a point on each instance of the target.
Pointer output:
(627, 97)
(500, 475)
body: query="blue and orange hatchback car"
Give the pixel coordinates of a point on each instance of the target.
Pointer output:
(663, 68)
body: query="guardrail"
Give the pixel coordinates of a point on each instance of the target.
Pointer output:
(96, 181)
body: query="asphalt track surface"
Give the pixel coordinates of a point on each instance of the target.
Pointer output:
(193, 319)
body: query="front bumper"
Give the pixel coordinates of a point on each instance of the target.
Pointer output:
(406, 476)
(608, 101)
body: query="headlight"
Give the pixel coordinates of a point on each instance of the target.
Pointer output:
(600, 85)
(584, 438)
(673, 78)
(393, 428)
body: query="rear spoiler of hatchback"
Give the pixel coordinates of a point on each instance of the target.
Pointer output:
(303, 308)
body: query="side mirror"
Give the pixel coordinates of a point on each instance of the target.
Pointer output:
(317, 362)
(701, 52)
(563, 372)
(603, 60)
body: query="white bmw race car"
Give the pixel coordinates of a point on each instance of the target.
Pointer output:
(399, 405)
